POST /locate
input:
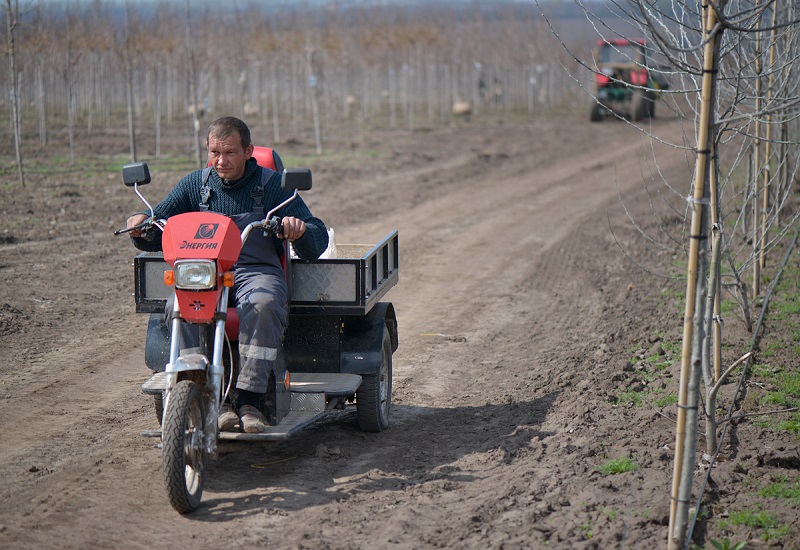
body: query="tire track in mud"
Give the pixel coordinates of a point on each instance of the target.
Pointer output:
(456, 301)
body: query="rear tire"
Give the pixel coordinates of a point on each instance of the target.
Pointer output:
(596, 114)
(639, 105)
(643, 105)
(182, 441)
(158, 403)
(374, 395)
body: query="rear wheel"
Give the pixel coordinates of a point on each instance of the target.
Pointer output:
(158, 403)
(596, 114)
(182, 442)
(639, 105)
(374, 395)
(643, 105)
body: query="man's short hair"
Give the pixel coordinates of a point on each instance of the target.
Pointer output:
(225, 126)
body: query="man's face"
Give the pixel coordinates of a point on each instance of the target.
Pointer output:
(227, 155)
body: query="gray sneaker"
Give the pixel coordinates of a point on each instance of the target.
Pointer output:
(252, 420)
(228, 419)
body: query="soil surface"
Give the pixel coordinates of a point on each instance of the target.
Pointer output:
(525, 334)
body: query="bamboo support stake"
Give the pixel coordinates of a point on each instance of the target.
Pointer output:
(679, 510)
(767, 168)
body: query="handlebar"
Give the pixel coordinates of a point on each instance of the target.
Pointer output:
(146, 227)
(271, 226)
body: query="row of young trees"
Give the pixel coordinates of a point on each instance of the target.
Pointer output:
(169, 65)
(734, 70)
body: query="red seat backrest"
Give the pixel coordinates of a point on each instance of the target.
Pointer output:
(263, 156)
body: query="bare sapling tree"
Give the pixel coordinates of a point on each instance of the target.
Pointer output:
(69, 68)
(314, 81)
(734, 71)
(194, 105)
(126, 56)
(12, 18)
(38, 43)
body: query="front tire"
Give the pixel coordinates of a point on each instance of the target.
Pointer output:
(182, 442)
(374, 395)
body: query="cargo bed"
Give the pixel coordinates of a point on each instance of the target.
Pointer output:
(350, 282)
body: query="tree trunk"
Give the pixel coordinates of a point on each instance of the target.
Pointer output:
(276, 137)
(314, 85)
(157, 109)
(70, 126)
(40, 104)
(193, 100)
(11, 19)
(129, 90)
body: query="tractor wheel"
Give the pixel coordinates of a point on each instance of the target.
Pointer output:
(183, 457)
(644, 105)
(640, 105)
(374, 395)
(596, 114)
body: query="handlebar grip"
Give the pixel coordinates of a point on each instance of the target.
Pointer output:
(274, 226)
(146, 225)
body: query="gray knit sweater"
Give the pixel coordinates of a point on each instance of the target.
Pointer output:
(233, 197)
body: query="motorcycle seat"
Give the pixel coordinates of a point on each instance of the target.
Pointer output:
(232, 325)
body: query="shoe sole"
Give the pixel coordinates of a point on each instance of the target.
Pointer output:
(254, 426)
(228, 424)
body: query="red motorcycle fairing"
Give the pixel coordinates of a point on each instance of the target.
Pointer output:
(201, 236)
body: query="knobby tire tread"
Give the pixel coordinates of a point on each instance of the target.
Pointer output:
(173, 442)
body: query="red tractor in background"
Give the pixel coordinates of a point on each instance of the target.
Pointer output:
(627, 83)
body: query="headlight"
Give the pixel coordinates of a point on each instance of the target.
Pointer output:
(195, 274)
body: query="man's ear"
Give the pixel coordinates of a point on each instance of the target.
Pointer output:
(249, 151)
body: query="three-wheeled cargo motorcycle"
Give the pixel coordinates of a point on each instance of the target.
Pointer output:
(337, 349)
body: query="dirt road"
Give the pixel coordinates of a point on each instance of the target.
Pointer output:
(516, 309)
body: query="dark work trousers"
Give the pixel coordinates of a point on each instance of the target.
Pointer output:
(260, 297)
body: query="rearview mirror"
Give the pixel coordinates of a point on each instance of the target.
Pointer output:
(134, 173)
(296, 179)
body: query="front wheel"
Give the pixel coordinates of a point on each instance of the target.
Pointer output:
(182, 442)
(374, 395)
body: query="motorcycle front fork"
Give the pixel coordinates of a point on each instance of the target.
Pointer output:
(214, 369)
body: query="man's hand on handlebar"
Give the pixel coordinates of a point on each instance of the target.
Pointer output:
(135, 220)
(293, 228)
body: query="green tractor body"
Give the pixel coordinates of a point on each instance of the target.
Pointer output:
(626, 82)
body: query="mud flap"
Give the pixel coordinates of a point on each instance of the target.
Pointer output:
(362, 340)
(156, 350)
